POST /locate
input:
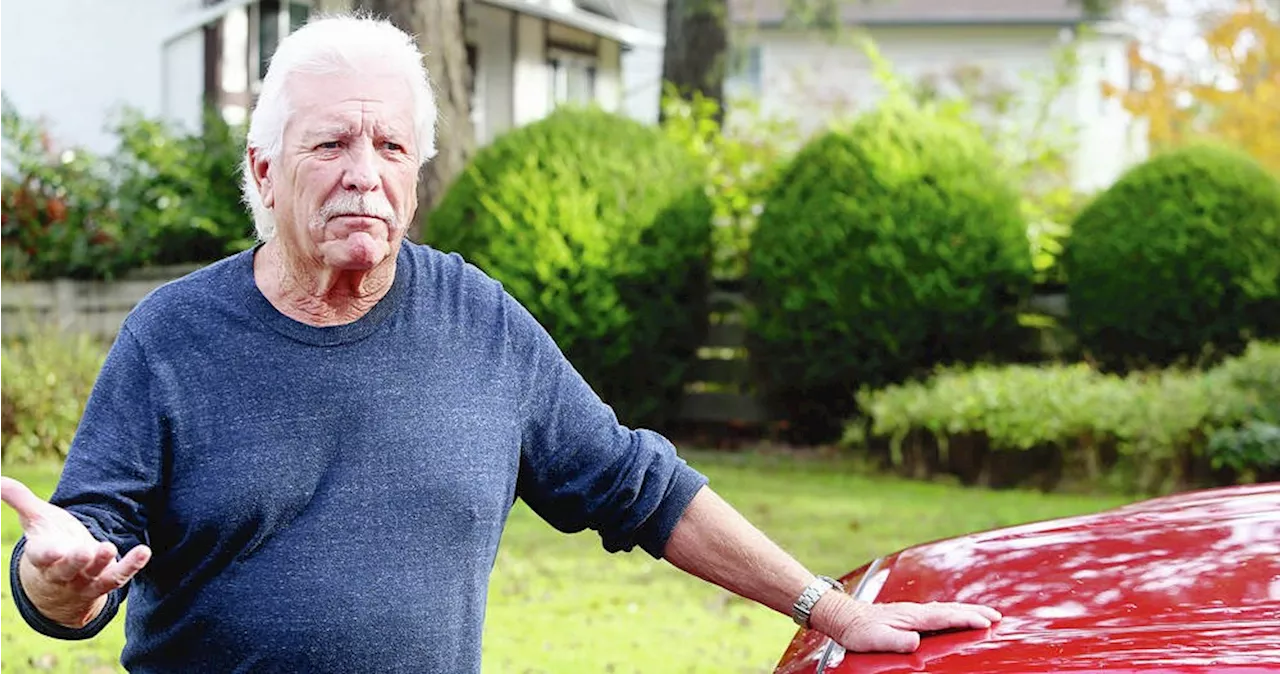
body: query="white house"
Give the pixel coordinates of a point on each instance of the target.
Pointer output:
(74, 62)
(642, 62)
(805, 75)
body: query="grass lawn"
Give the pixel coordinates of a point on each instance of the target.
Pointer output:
(560, 603)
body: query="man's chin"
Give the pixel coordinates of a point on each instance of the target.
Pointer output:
(357, 252)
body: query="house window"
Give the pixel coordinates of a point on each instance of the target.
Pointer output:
(275, 20)
(573, 77)
(239, 48)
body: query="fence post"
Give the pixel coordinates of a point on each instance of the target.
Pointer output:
(64, 304)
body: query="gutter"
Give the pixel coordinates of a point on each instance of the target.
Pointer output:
(202, 18)
(776, 22)
(628, 35)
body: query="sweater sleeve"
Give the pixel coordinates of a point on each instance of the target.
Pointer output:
(580, 468)
(111, 474)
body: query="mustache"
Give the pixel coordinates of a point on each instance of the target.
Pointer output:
(362, 205)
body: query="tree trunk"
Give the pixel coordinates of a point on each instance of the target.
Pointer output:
(695, 57)
(439, 26)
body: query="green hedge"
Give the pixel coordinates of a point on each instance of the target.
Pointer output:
(1179, 261)
(1021, 424)
(601, 227)
(163, 197)
(885, 248)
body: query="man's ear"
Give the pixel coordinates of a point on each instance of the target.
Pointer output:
(260, 167)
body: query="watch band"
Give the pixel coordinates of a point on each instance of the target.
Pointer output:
(803, 607)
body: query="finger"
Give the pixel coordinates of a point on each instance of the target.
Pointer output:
(21, 499)
(118, 574)
(881, 638)
(72, 564)
(942, 617)
(987, 612)
(104, 555)
(990, 613)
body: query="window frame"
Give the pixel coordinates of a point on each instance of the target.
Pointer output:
(561, 62)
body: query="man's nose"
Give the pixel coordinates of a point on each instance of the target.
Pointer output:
(362, 169)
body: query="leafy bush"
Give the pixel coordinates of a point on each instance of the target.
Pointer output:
(601, 227)
(1240, 449)
(1156, 430)
(180, 194)
(47, 378)
(887, 247)
(55, 212)
(161, 198)
(1247, 387)
(1032, 142)
(1178, 261)
(741, 160)
(1245, 411)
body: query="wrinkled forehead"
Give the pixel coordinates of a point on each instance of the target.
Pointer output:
(347, 102)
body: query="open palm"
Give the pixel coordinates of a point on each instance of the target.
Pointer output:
(65, 571)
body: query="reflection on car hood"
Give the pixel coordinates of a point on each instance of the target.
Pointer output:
(1188, 583)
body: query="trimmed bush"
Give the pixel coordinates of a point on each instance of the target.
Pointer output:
(601, 227)
(1151, 431)
(1179, 261)
(885, 248)
(1245, 412)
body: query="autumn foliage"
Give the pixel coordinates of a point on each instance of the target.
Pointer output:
(1229, 92)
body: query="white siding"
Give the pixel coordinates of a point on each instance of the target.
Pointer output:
(334, 6)
(813, 81)
(1110, 140)
(494, 85)
(642, 66)
(182, 90)
(532, 96)
(76, 61)
(609, 77)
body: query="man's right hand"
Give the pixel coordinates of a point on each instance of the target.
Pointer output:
(66, 572)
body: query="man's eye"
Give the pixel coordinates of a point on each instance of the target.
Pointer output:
(330, 145)
(394, 147)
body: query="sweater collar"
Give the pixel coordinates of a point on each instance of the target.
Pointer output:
(332, 335)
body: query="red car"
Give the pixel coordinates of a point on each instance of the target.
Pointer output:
(1187, 583)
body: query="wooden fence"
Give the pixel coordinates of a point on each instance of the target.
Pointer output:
(719, 390)
(97, 308)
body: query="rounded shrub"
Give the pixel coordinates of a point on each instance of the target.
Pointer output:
(1179, 260)
(601, 227)
(887, 247)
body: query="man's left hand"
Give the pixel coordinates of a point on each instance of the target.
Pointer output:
(862, 627)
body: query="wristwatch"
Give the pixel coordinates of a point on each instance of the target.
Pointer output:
(803, 607)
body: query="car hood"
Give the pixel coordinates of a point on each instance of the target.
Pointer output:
(1188, 583)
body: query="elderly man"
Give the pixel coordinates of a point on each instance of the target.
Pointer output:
(302, 457)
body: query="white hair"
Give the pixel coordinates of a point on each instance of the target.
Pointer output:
(333, 43)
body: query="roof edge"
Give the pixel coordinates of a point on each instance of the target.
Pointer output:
(933, 23)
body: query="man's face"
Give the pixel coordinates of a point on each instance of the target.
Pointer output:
(345, 186)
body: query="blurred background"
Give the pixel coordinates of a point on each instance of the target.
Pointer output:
(886, 270)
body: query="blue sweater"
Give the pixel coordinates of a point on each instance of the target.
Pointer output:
(331, 499)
